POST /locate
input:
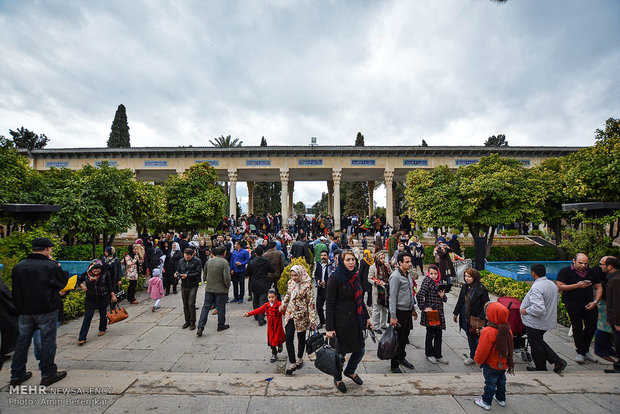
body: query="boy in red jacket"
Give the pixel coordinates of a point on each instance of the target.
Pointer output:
(275, 330)
(494, 354)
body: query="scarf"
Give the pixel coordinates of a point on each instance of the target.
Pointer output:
(438, 277)
(383, 272)
(294, 289)
(349, 277)
(504, 347)
(368, 258)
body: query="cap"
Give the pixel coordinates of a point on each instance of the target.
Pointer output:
(42, 243)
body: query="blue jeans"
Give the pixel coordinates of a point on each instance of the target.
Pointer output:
(472, 341)
(217, 299)
(47, 323)
(238, 281)
(494, 384)
(89, 312)
(354, 360)
(36, 342)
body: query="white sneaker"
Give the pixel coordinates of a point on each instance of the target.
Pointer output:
(590, 357)
(469, 361)
(431, 359)
(500, 403)
(443, 361)
(580, 359)
(480, 403)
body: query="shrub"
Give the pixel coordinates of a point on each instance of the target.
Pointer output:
(537, 232)
(517, 253)
(74, 304)
(84, 252)
(503, 286)
(286, 274)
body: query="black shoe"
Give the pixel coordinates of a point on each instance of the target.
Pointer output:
(47, 381)
(223, 328)
(406, 364)
(261, 323)
(185, 325)
(192, 327)
(340, 386)
(612, 371)
(199, 332)
(396, 370)
(21, 380)
(559, 366)
(167, 293)
(290, 370)
(534, 368)
(356, 379)
(378, 331)
(175, 291)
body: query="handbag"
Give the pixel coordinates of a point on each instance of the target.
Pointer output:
(315, 341)
(475, 324)
(432, 317)
(117, 314)
(328, 360)
(121, 295)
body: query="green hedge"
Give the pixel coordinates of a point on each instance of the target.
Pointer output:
(516, 253)
(83, 252)
(503, 286)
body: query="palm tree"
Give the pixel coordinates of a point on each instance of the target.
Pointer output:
(227, 142)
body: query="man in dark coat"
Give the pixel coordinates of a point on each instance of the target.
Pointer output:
(37, 281)
(258, 271)
(300, 248)
(189, 269)
(277, 261)
(8, 323)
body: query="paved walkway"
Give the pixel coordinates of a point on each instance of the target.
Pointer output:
(148, 363)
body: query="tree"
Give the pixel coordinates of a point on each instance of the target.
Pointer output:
(320, 207)
(359, 140)
(299, 207)
(354, 195)
(194, 201)
(23, 138)
(496, 141)
(263, 142)
(149, 211)
(267, 198)
(14, 175)
(119, 135)
(424, 144)
(227, 142)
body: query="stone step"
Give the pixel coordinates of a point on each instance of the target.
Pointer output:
(179, 383)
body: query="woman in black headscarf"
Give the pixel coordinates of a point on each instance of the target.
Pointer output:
(346, 315)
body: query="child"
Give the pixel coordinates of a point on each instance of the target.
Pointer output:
(156, 288)
(494, 354)
(275, 330)
(430, 301)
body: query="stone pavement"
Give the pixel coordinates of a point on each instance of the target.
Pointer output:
(148, 363)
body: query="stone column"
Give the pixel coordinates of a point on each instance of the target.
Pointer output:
(371, 196)
(336, 175)
(291, 189)
(330, 197)
(284, 196)
(232, 179)
(250, 197)
(389, 196)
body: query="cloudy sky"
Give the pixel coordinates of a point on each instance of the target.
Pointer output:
(449, 72)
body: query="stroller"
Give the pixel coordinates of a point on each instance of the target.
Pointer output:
(519, 337)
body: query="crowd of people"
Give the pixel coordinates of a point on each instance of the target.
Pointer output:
(352, 290)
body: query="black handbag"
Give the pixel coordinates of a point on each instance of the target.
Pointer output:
(314, 341)
(329, 360)
(121, 295)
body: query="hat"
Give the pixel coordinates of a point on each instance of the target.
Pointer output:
(42, 243)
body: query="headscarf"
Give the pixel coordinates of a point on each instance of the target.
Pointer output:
(294, 288)
(140, 251)
(175, 247)
(109, 259)
(95, 264)
(349, 277)
(383, 271)
(438, 274)
(368, 257)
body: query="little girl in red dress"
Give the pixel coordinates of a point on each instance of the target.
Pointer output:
(275, 330)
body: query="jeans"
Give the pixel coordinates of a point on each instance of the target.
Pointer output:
(580, 316)
(47, 323)
(217, 299)
(238, 281)
(433, 341)
(494, 384)
(258, 300)
(289, 331)
(131, 290)
(541, 352)
(602, 343)
(189, 303)
(321, 295)
(406, 323)
(354, 360)
(472, 341)
(89, 311)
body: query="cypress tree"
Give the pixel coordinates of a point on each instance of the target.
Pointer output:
(119, 135)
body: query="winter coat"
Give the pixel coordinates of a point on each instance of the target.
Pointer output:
(301, 249)
(301, 308)
(97, 290)
(113, 268)
(429, 298)
(131, 267)
(258, 271)
(341, 315)
(192, 269)
(486, 352)
(171, 263)
(277, 261)
(275, 329)
(9, 330)
(156, 288)
(479, 298)
(217, 270)
(36, 283)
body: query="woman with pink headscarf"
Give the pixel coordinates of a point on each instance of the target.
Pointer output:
(300, 314)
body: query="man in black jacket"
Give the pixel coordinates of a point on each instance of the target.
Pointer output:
(37, 281)
(188, 270)
(258, 271)
(322, 271)
(300, 248)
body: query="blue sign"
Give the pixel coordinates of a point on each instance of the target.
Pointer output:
(526, 163)
(307, 162)
(57, 164)
(110, 163)
(363, 163)
(461, 163)
(415, 163)
(212, 163)
(258, 163)
(155, 163)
